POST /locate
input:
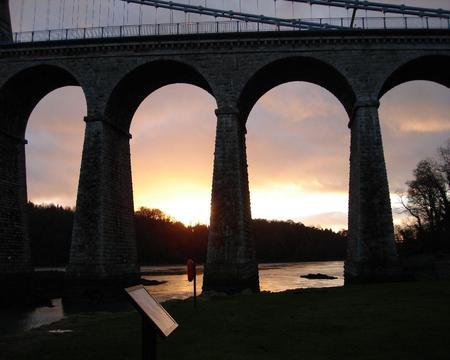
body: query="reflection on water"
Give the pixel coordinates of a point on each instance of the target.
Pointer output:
(272, 277)
(15, 320)
(281, 277)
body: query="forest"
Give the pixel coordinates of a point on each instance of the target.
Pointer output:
(163, 240)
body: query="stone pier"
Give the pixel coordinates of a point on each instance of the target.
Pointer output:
(231, 264)
(103, 241)
(5, 22)
(15, 255)
(371, 252)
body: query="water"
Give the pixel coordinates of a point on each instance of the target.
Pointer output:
(272, 277)
(16, 319)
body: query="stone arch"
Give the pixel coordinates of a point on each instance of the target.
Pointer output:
(139, 83)
(432, 68)
(295, 69)
(20, 94)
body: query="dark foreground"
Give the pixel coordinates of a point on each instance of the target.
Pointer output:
(383, 321)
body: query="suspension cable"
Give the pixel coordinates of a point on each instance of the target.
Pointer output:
(86, 8)
(100, 14)
(73, 13)
(114, 13)
(34, 16)
(78, 13)
(279, 22)
(127, 15)
(93, 13)
(63, 15)
(21, 16)
(381, 7)
(109, 11)
(123, 14)
(47, 17)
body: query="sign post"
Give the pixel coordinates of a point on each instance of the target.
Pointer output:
(148, 340)
(192, 275)
(155, 319)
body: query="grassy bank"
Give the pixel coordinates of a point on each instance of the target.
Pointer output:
(383, 321)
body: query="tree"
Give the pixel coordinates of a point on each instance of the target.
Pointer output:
(428, 202)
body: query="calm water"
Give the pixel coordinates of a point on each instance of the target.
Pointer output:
(272, 277)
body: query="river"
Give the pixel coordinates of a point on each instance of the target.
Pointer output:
(273, 277)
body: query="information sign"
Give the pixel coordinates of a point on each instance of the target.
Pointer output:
(151, 308)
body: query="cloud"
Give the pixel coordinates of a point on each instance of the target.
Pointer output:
(415, 121)
(313, 151)
(172, 152)
(55, 134)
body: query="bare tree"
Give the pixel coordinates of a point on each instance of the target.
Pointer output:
(428, 199)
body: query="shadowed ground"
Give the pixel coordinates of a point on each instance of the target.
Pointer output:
(382, 321)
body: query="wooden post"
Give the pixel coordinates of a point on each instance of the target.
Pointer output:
(148, 340)
(195, 287)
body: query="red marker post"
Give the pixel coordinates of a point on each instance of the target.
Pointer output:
(192, 276)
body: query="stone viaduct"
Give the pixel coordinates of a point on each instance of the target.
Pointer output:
(358, 67)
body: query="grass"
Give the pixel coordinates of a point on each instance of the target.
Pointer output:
(382, 321)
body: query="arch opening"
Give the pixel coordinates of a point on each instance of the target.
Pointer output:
(172, 151)
(414, 116)
(295, 69)
(427, 68)
(294, 177)
(55, 141)
(138, 84)
(54, 133)
(21, 93)
(41, 102)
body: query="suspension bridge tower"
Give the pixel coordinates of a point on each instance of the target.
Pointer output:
(5, 21)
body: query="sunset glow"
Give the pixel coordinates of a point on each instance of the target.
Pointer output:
(188, 203)
(297, 144)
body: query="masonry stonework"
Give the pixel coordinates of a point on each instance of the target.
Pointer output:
(371, 252)
(15, 257)
(231, 262)
(357, 67)
(5, 21)
(103, 240)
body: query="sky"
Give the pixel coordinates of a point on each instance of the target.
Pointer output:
(297, 141)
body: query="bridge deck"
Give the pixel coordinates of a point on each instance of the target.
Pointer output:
(218, 27)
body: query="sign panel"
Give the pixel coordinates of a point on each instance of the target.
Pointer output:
(190, 270)
(152, 309)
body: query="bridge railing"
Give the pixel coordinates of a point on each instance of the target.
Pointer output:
(222, 27)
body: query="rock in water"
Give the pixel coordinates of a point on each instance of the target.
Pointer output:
(318, 276)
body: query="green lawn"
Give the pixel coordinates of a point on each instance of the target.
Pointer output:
(379, 322)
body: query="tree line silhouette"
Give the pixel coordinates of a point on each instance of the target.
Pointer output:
(163, 240)
(427, 203)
